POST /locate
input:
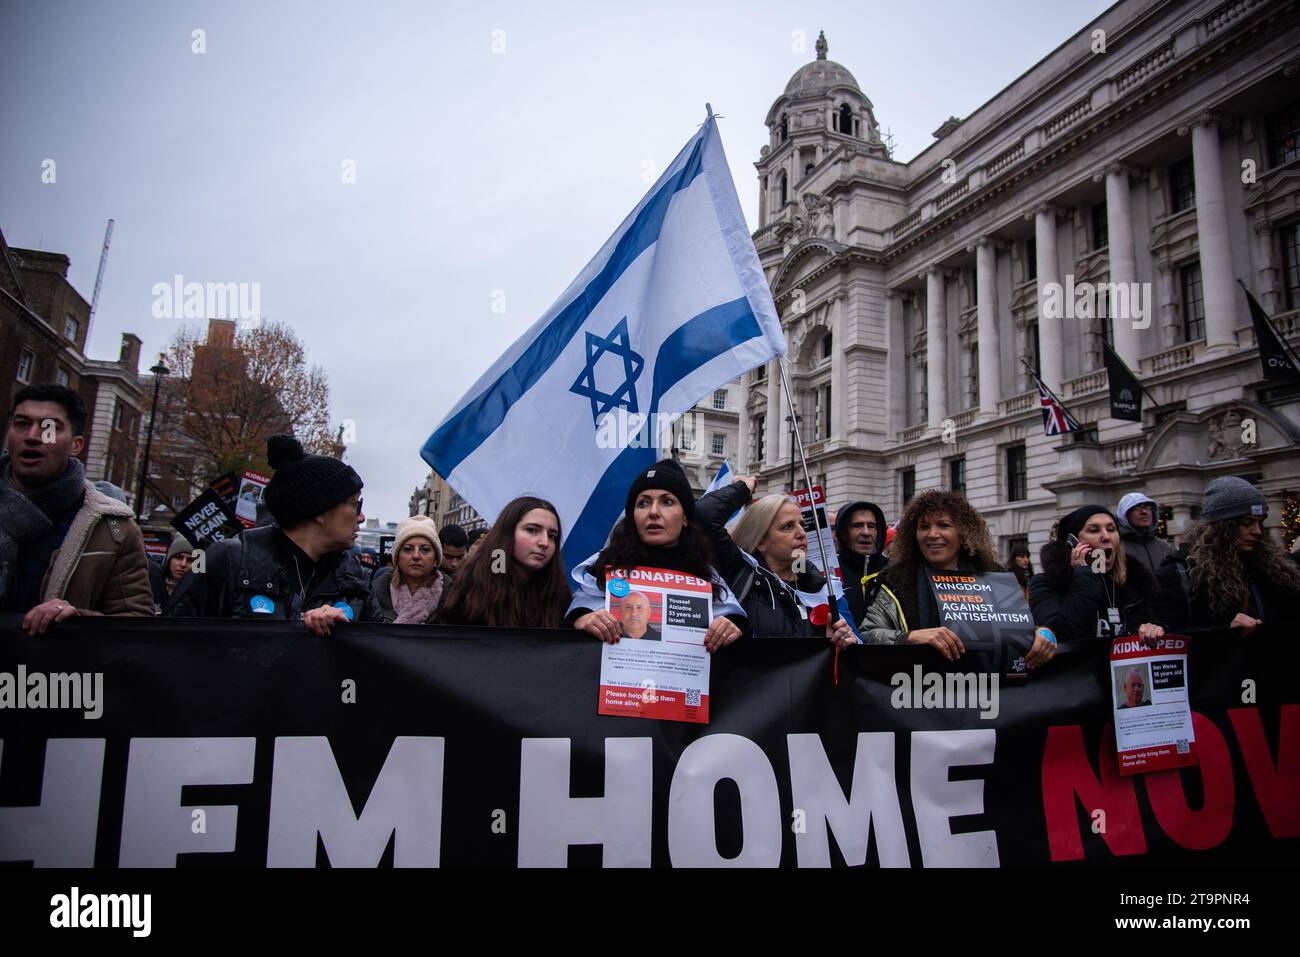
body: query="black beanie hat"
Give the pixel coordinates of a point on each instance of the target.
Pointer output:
(1073, 523)
(305, 486)
(667, 475)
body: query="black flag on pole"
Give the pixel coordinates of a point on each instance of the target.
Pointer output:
(1276, 358)
(1125, 390)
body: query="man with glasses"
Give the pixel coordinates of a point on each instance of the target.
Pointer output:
(298, 569)
(1138, 516)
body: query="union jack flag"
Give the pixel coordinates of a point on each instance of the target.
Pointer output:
(1056, 421)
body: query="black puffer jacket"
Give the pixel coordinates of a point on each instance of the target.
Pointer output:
(257, 576)
(860, 571)
(1072, 600)
(774, 610)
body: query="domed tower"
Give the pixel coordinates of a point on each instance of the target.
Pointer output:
(821, 112)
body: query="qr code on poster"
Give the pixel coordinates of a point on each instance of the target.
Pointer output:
(692, 697)
(1183, 747)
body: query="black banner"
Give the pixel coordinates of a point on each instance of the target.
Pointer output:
(210, 744)
(1277, 361)
(1125, 390)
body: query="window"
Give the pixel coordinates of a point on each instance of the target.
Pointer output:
(846, 119)
(785, 188)
(70, 327)
(1100, 233)
(1189, 278)
(826, 411)
(906, 484)
(957, 475)
(719, 445)
(808, 168)
(973, 285)
(760, 439)
(63, 377)
(827, 346)
(760, 373)
(26, 363)
(1017, 474)
(1182, 186)
(1031, 344)
(785, 128)
(119, 417)
(1291, 264)
(1284, 134)
(1031, 259)
(973, 377)
(720, 399)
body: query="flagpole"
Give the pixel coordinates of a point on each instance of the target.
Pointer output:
(821, 542)
(1039, 380)
(1155, 406)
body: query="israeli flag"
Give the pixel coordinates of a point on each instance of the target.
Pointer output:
(673, 306)
(724, 478)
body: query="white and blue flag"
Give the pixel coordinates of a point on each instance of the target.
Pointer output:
(673, 306)
(724, 478)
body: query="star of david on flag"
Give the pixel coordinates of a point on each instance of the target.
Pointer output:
(625, 395)
(673, 306)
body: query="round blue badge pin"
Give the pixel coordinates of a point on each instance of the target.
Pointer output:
(347, 609)
(261, 605)
(618, 587)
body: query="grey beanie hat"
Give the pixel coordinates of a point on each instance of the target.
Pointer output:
(1231, 497)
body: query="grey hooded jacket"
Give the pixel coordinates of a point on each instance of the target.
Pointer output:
(1145, 546)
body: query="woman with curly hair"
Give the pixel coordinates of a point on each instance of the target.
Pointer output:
(1088, 588)
(657, 530)
(940, 531)
(1231, 574)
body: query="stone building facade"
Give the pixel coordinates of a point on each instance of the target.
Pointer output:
(44, 327)
(1156, 147)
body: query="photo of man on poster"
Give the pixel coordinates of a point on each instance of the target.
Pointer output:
(635, 614)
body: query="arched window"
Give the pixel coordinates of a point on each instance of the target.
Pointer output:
(808, 168)
(846, 119)
(827, 346)
(785, 188)
(785, 127)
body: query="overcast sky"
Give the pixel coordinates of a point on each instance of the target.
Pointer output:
(495, 145)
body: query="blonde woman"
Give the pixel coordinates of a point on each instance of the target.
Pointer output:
(764, 560)
(1088, 588)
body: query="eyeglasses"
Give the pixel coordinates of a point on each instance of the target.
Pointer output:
(356, 505)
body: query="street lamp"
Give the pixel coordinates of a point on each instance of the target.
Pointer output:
(794, 420)
(158, 371)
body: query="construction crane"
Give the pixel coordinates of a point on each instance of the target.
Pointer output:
(99, 278)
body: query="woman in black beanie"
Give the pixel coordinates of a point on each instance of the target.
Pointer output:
(299, 568)
(657, 530)
(1086, 588)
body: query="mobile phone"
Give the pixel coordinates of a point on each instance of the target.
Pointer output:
(1074, 542)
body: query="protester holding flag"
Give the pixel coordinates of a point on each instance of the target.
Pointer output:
(515, 579)
(299, 568)
(657, 530)
(941, 531)
(1087, 588)
(860, 533)
(765, 562)
(1136, 516)
(1231, 573)
(408, 591)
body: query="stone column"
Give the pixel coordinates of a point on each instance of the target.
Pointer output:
(775, 425)
(987, 334)
(936, 348)
(1217, 285)
(838, 369)
(1168, 321)
(1051, 354)
(1268, 269)
(762, 201)
(1123, 266)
